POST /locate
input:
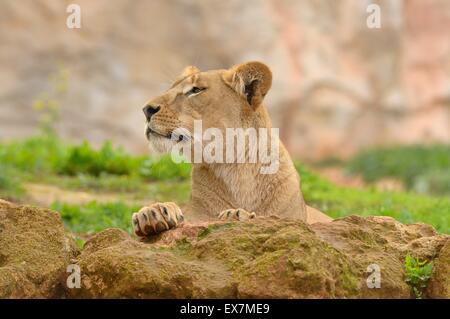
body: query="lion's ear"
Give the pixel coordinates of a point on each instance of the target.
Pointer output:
(189, 70)
(251, 80)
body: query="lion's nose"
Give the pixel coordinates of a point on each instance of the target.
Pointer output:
(150, 110)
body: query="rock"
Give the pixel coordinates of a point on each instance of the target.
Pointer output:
(34, 252)
(113, 265)
(266, 257)
(382, 241)
(439, 285)
(262, 258)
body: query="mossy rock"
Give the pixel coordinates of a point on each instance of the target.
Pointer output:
(262, 258)
(265, 257)
(34, 252)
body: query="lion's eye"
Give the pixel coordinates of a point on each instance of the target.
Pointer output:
(194, 90)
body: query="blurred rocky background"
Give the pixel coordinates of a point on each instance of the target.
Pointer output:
(339, 86)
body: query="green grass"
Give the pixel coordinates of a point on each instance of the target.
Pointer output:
(178, 192)
(102, 183)
(94, 217)
(421, 168)
(45, 155)
(83, 159)
(48, 159)
(334, 200)
(164, 168)
(38, 155)
(406, 207)
(10, 186)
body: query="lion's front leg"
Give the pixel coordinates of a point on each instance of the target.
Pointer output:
(156, 218)
(236, 214)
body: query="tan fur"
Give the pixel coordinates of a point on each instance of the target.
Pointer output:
(223, 104)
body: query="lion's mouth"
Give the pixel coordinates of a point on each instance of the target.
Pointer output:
(171, 135)
(149, 132)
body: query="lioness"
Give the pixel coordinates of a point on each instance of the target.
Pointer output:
(221, 99)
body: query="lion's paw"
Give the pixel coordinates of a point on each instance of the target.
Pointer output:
(236, 214)
(156, 218)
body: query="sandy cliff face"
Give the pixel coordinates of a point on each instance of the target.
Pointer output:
(338, 85)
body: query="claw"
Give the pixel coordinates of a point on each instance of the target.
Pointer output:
(156, 218)
(236, 214)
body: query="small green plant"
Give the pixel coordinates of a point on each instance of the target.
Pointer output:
(418, 272)
(48, 103)
(79, 242)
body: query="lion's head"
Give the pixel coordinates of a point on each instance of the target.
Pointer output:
(220, 98)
